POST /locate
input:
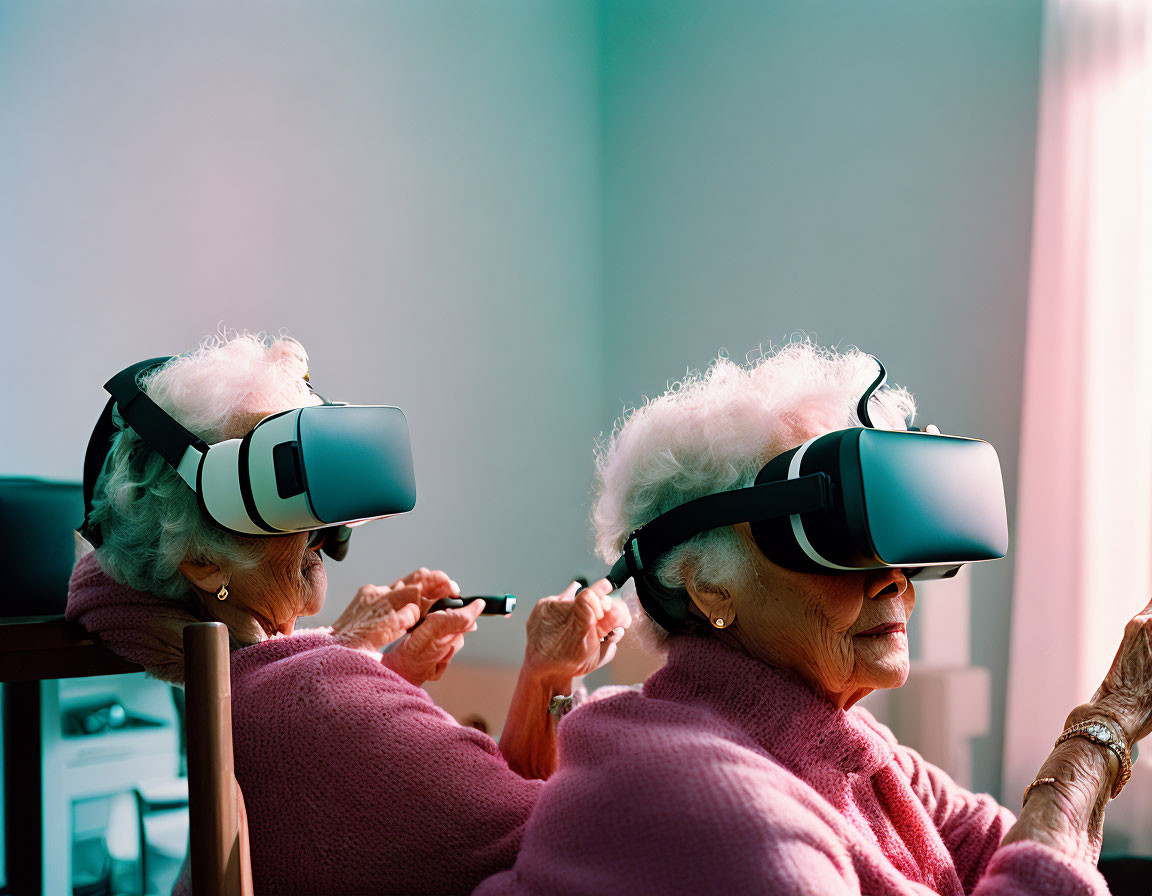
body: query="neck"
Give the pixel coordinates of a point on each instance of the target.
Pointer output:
(847, 699)
(844, 700)
(245, 625)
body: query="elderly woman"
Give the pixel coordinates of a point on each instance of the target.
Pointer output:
(745, 765)
(354, 781)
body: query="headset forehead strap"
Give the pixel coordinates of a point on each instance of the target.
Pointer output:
(162, 433)
(756, 503)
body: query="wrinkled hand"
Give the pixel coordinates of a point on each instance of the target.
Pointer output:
(571, 634)
(379, 614)
(1068, 813)
(424, 654)
(1126, 692)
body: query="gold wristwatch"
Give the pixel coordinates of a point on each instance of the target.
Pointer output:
(1102, 734)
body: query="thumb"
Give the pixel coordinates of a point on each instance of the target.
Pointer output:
(607, 651)
(460, 619)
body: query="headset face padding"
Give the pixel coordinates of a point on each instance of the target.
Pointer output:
(776, 538)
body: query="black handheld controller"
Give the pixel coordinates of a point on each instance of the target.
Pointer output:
(494, 604)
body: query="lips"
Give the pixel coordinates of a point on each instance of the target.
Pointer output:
(885, 628)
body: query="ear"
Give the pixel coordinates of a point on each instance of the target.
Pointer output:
(204, 576)
(713, 601)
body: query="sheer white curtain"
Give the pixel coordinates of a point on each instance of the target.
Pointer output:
(1084, 517)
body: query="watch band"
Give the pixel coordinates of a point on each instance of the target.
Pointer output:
(1102, 734)
(560, 705)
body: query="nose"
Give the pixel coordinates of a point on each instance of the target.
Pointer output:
(886, 582)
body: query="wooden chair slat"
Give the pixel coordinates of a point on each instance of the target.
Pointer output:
(49, 647)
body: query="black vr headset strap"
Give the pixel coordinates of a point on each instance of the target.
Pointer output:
(94, 457)
(644, 548)
(159, 431)
(754, 504)
(151, 422)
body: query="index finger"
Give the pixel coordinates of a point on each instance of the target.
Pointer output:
(437, 584)
(415, 577)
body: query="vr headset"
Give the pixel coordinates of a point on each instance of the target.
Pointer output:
(844, 502)
(323, 467)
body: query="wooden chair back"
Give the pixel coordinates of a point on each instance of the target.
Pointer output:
(218, 825)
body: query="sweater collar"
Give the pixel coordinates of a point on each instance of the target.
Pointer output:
(773, 706)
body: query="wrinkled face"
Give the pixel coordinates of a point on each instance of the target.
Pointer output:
(288, 581)
(844, 634)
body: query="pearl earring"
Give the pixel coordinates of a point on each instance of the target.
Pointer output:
(718, 622)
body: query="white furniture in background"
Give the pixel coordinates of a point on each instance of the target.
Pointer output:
(80, 769)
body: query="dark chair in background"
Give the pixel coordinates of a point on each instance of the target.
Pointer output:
(1127, 875)
(37, 644)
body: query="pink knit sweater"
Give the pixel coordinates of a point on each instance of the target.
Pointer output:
(728, 776)
(355, 782)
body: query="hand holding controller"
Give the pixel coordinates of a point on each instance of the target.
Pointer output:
(494, 604)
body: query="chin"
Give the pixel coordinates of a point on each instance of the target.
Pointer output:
(890, 676)
(317, 581)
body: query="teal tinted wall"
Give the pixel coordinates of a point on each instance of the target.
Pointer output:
(408, 187)
(512, 218)
(861, 172)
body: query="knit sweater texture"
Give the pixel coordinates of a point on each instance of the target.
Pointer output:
(354, 781)
(727, 776)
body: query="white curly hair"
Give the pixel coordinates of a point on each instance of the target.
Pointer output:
(713, 432)
(148, 517)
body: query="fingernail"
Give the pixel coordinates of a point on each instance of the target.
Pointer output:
(606, 602)
(452, 584)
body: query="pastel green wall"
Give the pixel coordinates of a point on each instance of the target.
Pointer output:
(513, 217)
(858, 171)
(408, 187)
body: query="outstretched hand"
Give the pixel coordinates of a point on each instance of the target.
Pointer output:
(576, 632)
(1125, 695)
